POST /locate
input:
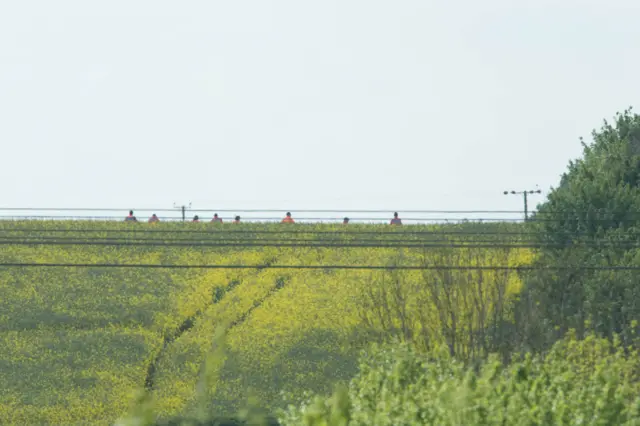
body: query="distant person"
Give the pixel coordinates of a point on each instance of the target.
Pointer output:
(154, 219)
(131, 217)
(216, 219)
(396, 220)
(288, 219)
(237, 220)
(345, 221)
(196, 219)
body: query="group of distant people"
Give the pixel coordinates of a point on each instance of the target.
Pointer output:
(217, 219)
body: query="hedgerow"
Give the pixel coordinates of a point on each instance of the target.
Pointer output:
(593, 381)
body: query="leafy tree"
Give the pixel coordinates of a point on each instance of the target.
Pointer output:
(600, 192)
(592, 218)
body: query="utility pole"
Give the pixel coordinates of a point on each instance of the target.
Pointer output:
(524, 194)
(182, 208)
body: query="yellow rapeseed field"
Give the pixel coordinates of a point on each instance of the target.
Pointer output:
(77, 343)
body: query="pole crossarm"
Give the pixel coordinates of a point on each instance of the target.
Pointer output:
(524, 194)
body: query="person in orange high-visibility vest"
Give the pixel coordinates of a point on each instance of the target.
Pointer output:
(154, 219)
(396, 220)
(237, 220)
(288, 219)
(216, 218)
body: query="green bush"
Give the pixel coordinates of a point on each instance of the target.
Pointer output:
(593, 381)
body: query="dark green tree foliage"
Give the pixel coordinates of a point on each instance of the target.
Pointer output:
(600, 192)
(594, 214)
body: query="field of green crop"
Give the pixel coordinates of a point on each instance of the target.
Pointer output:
(77, 343)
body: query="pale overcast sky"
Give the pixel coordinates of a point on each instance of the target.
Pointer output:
(347, 104)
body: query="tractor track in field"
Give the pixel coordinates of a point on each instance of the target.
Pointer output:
(188, 324)
(280, 283)
(185, 326)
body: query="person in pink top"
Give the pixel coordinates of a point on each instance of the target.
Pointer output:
(396, 220)
(216, 218)
(131, 217)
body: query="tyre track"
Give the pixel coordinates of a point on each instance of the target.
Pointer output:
(190, 322)
(280, 284)
(185, 326)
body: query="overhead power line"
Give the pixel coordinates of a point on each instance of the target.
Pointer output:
(255, 244)
(220, 230)
(177, 208)
(240, 210)
(310, 244)
(211, 237)
(219, 239)
(475, 242)
(560, 218)
(267, 218)
(353, 267)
